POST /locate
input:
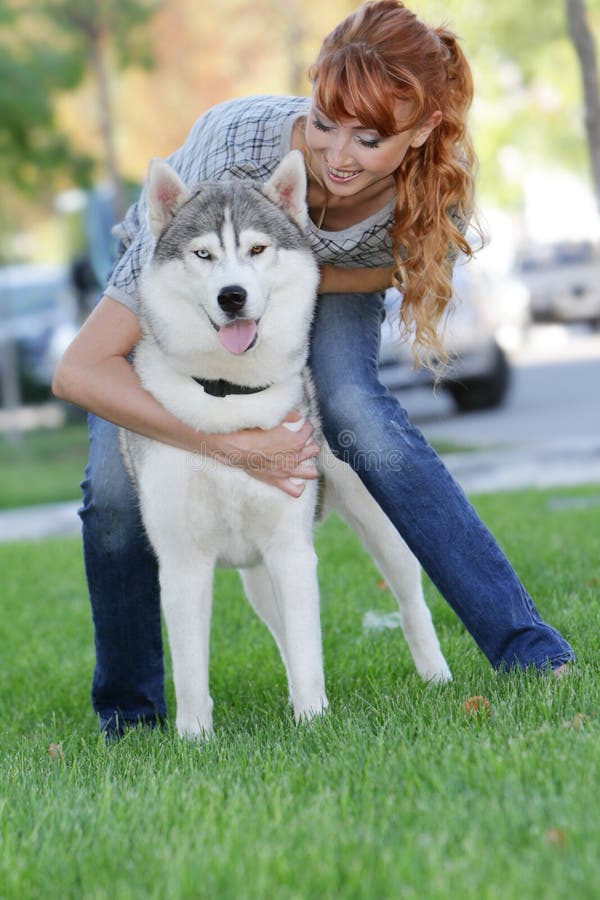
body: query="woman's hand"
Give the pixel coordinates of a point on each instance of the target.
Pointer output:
(279, 456)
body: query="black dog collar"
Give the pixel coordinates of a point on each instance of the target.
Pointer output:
(222, 388)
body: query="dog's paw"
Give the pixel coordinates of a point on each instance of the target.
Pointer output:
(194, 729)
(200, 736)
(308, 712)
(437, 675)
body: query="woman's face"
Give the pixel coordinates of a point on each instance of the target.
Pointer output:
(351, 157)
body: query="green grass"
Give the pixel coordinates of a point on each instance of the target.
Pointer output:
(397, 793)
(45, 466)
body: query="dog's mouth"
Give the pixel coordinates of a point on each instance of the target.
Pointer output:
(238, 336)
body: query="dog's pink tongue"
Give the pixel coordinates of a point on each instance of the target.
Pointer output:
(237, 336)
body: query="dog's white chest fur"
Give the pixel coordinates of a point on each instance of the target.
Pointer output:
(215, 509)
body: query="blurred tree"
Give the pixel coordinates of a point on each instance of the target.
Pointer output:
(583, 39)
(96, 32)
(527, 110)
(230, 49)
(47, 48)
(31, 72)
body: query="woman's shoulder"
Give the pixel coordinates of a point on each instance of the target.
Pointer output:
(260, 113)
(243, 137)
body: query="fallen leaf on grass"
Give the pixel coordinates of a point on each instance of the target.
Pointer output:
(475, 706)
(557, 837)
(578, 721)
(383, 585)
(55, 751)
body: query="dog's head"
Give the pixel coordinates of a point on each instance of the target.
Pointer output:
(232, 267)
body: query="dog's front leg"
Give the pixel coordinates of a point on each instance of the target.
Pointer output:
(293, 574)
(186, 596)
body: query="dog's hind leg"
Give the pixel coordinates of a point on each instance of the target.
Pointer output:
(293, 574)
(259, 591)
(345, 492)
(186, 596)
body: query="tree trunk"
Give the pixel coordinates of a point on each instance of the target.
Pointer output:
(107, 124)
(294, 34)
(583, 40)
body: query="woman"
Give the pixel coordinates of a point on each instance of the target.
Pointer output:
(390, 168)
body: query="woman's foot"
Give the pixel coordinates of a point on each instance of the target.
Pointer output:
(560, 671)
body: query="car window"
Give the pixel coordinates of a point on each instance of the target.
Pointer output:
(19, 298)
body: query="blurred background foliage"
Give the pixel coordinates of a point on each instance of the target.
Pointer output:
(91, 89)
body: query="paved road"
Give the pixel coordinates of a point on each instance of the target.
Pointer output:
(548, 433)
(553, 401)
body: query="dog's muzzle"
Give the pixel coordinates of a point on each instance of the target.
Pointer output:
(240, 333)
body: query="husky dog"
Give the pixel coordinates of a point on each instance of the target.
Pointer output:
(226, 307)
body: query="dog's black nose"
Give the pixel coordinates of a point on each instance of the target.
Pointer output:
(232, 298)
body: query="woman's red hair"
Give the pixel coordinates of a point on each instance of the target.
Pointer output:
(379, 55)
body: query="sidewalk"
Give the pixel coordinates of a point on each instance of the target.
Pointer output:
(561, 464)
(33, 523)
(558, 465)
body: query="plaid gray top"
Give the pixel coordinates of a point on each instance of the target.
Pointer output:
(246, 138)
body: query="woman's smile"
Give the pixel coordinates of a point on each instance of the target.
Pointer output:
(340, 176)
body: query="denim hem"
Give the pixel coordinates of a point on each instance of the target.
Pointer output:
(542, 664)
(115, 726)
(561, 660)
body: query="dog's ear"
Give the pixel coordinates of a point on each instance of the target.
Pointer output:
(166, 193)
(287, 187)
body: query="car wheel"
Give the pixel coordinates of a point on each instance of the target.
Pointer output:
(486, 392)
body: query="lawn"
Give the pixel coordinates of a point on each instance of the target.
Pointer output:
(399, 792)
(45, 466)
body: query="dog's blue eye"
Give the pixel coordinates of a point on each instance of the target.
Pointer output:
(203, 254)
(257, 249)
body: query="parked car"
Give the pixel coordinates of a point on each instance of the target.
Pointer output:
(478, 373)
(564, 281)
(38, 319)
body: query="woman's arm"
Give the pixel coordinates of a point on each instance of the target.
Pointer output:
(335, 280)
(95, 374)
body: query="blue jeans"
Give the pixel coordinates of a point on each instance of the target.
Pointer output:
(367, 427)
(122, 575)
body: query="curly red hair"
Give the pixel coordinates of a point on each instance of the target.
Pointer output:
(377, 56)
